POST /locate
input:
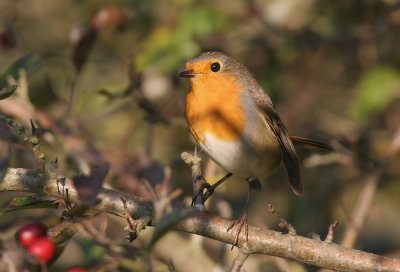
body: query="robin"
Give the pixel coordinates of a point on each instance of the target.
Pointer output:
(235, 122)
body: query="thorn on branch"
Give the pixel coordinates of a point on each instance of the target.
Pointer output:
(36, 131)
(283, 223)
(35, 141)
(331, 232)
(63, 196)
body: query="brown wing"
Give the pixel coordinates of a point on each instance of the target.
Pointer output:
(289, 155)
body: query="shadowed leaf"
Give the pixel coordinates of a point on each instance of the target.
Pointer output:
(4, 162)
(7, 91)
(154, 173)
(168, 222)
(6, 132)
(83, 47)
(30, 202)
(89, 186)
(28, 62)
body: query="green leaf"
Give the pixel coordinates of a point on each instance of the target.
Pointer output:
(201, 20)
(7, 91)
(168, 47)
(94, 253)
(168, 222)
(29, 202)
(28, 62)
(376, 89)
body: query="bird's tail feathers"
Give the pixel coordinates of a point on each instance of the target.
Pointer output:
(309, 143)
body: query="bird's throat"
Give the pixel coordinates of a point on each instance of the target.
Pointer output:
(215, 108)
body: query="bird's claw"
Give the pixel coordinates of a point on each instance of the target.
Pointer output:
(241, 222)
(204, 185)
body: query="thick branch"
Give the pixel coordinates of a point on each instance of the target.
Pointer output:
(294, 247)
(35, 181)
(306, 250)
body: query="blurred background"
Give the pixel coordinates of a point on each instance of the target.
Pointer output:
(100, 78)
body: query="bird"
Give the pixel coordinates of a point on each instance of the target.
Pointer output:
(235, 122)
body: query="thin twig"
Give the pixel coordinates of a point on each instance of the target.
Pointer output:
(197, 179)
(284, 223)
(131, 222)
(98, 237)
(331, 232)
(239, 261)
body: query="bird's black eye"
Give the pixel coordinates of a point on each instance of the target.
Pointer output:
(215, 66)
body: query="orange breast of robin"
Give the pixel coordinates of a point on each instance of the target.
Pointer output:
(213, 106)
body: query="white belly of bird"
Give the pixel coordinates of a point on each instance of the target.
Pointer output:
(238, 158)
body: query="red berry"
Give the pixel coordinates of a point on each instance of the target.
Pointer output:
(43, 249)
(76, 269)
(30, 233)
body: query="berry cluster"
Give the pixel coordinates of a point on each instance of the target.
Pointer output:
(34, 238)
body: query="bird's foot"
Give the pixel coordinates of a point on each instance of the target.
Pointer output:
(203, 186)
(240, 223)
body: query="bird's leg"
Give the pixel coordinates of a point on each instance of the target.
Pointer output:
(241, 222)
(199, 184)
(211, 189)
(255, 184)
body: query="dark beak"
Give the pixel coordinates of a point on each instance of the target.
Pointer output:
(187, 73)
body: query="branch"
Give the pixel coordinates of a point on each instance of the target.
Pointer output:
(198, 198)
(239, 261)
(35, 181)
(294, 247)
